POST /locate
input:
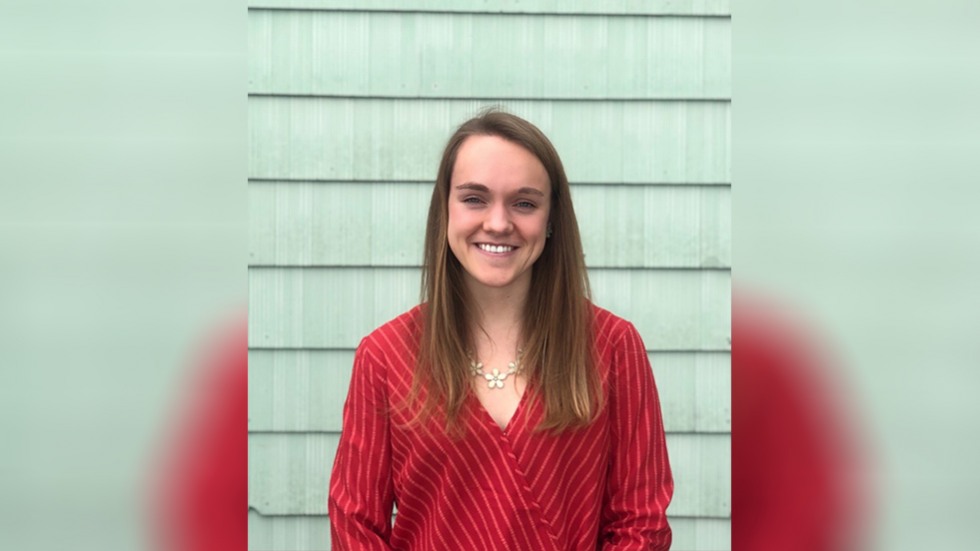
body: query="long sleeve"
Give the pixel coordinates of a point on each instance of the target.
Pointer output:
(640, 485)
(361, 491)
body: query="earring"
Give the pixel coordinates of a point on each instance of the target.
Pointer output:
(547, 233)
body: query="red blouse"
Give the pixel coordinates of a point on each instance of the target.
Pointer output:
(605, 486)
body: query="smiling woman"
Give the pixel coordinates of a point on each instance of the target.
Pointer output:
(506, 411)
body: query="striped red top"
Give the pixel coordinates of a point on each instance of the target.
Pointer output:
(605, 486)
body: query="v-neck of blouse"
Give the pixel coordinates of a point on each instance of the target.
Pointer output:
(491, 422)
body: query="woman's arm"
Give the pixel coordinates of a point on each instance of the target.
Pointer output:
(640, 485)
(361, 492)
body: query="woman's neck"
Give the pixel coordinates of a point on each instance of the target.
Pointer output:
(499, 311)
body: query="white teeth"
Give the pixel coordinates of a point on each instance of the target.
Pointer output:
(495, 248)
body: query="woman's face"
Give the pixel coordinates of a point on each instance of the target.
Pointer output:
(499, 203)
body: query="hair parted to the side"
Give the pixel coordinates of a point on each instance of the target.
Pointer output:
(556, 332)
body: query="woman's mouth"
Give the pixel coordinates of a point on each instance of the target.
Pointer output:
(495, 249)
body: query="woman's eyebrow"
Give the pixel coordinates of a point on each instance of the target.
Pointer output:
(530, 191)
(473, 186)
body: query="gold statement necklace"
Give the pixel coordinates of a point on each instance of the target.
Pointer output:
(495, 379)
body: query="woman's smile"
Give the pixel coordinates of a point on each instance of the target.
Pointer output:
(496, 250)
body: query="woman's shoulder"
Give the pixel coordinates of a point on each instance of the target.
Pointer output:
(621, 352)
(401, 334)
(609, 327)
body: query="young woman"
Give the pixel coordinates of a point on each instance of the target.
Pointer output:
(506, 411)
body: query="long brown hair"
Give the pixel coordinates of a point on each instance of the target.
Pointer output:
(557, 339)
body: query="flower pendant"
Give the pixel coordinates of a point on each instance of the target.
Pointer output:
(495, 379)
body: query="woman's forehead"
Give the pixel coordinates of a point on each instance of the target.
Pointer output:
(498, 164)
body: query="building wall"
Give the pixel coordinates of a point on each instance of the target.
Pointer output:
(350, 104)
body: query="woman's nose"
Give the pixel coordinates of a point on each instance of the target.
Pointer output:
(497, 220)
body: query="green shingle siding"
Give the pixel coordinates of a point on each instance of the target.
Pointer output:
(561, 7)
(301, 390)
(336, 307)
(362, 224)
(488, 56)
(374, 140)
(312, 533)
(281, 481)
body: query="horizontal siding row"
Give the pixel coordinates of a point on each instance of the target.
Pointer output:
(371, 139)
(312, 533)
(610, 7)
(580, 57)
(382, 224)
(280, 482)
(303, 390)
(676, 310)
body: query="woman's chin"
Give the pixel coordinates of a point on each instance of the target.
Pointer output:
(493, 281)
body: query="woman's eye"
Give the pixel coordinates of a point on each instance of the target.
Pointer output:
(525, 205)
(472, 200)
